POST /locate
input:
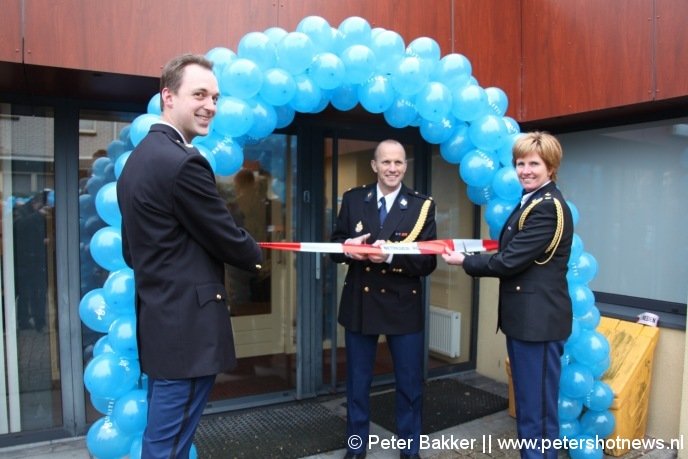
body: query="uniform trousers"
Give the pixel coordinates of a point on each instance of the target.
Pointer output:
(407, 357)
(535, 372)
(175, 407)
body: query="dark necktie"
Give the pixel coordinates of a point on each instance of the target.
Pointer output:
(382, 211)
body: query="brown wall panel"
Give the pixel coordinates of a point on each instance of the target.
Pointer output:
(488, 33)
(671, 48)
(585, 55)
(10, 31)
(409, 18)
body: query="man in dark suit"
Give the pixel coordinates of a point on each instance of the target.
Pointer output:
(383, 294)
(534, 303)
(177, 234)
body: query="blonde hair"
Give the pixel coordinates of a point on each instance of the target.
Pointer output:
(545, 145)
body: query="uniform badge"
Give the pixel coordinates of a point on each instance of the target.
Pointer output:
(359, 227)
(369, 195)
(403, 203)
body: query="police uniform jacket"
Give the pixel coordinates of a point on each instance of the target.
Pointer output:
(382, 298)
(176, 235)
(534, 302)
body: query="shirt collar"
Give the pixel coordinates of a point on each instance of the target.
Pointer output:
(389, 198)
(173, 127)
(527, 196)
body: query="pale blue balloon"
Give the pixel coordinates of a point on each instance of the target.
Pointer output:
(242, 78)
(469, 102)
(582, 298)
(478, 167)
(106, 204)
(587, 447)
(434, 101)
(590, 347)
(229, 157)
(506, 184)
(307, 95)
(453, 70)
(295, 52)
(427, 50)
(130, 411)
(264, 118)
(233, 117)
(409, 76)
(359, 62)
(355, 31)
(576, 380)
(278, 87)
(111, 375)
(325, 95)
(512, 127)
(575, 215)
(569, 428)
(122, 335)
(577, 248)
(598, 423)
(488, 132)
(497, 100)
(140, 127)
(388, 47)
(569, 408)
(401, 113)
(220, 57)
(285, 115)
(105, 440)
(480, 195)
(436, 132)
(318, 30)
(327, 70)
(457, 145)
(94, 311)
(154, 107)
(257, 47)
(275, 35)
(345, 97)
(496, 213)
(208, 155)
(101, 346)
(119, 291)
(99, 166)
(376, 95)
(102, 404)
(106, 248)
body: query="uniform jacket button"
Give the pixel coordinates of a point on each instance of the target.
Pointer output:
(366, 289)
(218, 296)
(518, 288)
(414, 292)
(367, 269)
(384, 271)
(382, 290)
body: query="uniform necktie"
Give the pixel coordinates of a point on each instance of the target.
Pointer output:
(383, 211)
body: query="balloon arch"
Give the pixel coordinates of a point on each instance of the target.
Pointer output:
(274, 74)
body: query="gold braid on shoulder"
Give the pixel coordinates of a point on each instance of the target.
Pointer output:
(558, 232)
(422, 216)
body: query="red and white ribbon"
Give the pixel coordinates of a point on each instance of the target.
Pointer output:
(435, 247)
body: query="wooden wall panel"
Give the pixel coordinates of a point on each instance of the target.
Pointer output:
(127, 36)
(671, 48)
(488, 33)
(10, 31)
(585, 55)
(410, 18)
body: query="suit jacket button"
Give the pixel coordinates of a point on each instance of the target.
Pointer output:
(384, 271)
(382, 290)
(518, 288)
(366, 289)
(367, 269)
(218, 296)
(414, 291)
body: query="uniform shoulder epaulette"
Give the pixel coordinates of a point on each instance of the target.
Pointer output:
(419, 195)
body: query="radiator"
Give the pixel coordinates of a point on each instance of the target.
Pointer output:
(445, 331)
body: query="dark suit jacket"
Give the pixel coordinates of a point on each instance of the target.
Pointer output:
(534, 302)
(381, 298)
(176, 235)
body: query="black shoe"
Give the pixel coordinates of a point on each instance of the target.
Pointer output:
(409, 456)
(351, 455)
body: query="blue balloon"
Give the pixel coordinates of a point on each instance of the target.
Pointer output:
(600, 368)
(376, 95)
(582, 297)
(94, 311)
(120, 162)
(221, 58)
(345, 97)
(106, 204)
(242, 78)
(140, 126)
(497, 100)
(355, 31)
(505, 151)
(318, 30)
(285, 115)
(469, 102)
(115, 149)
(100, 165)
(105, 440)
(436, 132)
(359, 62)
(101, 346)
(585, 448)
(119, 291)
(574, 212)
(590, 319)
(307, 95)
(457, 145)
(498, 210)
(577, 248)
(576, 380)
(325, 95)
(233, 117)
(478, 167)
(600, 397)
(506, 184)
(600, 423)
(257, 47)
(154, 107)
(401, 113)
(111, 375)
(569, 408)
(409, 76)
(208, 155)
(388, 47)
(106, 248)
(264, 118)
(295, 52)
(488, 132)
(480, 195)
(434, 101)
(122, 336)
(102, 404)
(569, 428)
(130, 412)
(453, 70)
(229, 157)
(427, 50)
(590, 347)
(275, 34)
(512, 127)
(278, 87)
(327, 70)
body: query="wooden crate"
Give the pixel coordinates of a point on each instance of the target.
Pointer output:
(632, 348)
